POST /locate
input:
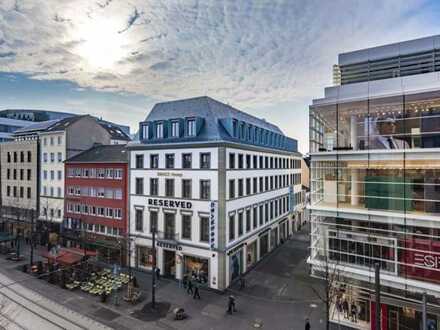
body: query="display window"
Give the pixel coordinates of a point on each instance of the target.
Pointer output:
(235, 265)
(251, 254)
(144, 256)
(196, 269)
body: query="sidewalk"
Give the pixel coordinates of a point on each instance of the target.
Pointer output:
(278, 296)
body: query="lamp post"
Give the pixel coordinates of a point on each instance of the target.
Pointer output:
(153, 277)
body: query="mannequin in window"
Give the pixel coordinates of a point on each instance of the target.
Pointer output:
(386, 129)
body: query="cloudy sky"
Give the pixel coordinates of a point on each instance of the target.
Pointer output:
(116, 58)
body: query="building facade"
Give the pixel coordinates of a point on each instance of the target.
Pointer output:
(215, 185)
(96, 202)
(60, 141)
(19, 185)
(375, 183)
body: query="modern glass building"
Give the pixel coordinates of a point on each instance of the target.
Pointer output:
(375, 186)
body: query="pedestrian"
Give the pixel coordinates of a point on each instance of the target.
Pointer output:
(189, 290)
(231, 304)
(158, 273)
(242, 283)
(345, 308)
(185, 281)
(307, 326)
(353, 312)
(196, 291)
(135, 283)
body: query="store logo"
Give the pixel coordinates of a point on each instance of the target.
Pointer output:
(426, 260)
(213, 210)
(169, 203)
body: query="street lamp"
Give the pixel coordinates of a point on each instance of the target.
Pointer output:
(153, 277)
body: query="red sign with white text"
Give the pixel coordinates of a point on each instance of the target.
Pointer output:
(424, 254)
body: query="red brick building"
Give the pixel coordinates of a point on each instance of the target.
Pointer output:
(96, 202)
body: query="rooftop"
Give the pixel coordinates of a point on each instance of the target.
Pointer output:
(101, 153)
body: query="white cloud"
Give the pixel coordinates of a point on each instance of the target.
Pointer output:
(247, 53)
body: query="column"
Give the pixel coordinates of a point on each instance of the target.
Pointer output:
(354, 187)
(353, 132)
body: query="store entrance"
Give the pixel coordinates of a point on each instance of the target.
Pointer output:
(169, 263)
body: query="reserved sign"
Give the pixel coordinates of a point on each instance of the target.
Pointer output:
(169, 203)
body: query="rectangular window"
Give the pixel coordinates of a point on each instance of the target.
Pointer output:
(60, 157)
(254, 185)
(153, 221)
(139, 217)
(60, 175)
(52, 175)
(231, 189)
(266, 183)
(51, 140)
(154, 187)
(15, 191)
(145, 132)
(255, 161)
(139, 186)
(52, 157)
(29, 157)
(248, 161)
(139, 161)
(154, 161)
(175, 129)
(14, 174)
(261, 162)
(59, 192)
(231, 227)
(240, 187)
(21, 174)
(186, 227)
(186, 188)
(248, 220)
(240, 161)
(231, 160)
(21, 192)
(8, 173)
(45, 157)
(255, 218)
(248, 186)
(191, 127)
(240, 224)
(169, 161)
(169, 187)
(159, 131)
(15, 156)
(205, 189)
(205, 160)
(186, 160)
(170, 226)
(29, 174)
(9, 157)
(204, 229)
(59, 140)
(8, 191)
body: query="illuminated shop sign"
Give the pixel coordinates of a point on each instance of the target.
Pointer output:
(169, 203)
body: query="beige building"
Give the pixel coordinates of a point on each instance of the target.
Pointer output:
(19, 182)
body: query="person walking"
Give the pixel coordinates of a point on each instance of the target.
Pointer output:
(242, 283)
(307, 325)
(196, 291)
(158, 273)
(189, 289)
(185, 281)
(231, 305)
(353, 312)
(345, 308)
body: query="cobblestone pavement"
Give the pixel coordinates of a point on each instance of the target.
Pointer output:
(278, 296)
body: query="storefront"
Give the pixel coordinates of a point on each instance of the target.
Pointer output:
(273, 238)
(251, 254)
(264, 244)
(196, 268)
(235, 263)
(283, 230)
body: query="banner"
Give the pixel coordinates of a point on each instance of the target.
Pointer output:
(213, 225)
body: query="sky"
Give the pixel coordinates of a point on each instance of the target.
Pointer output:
(116, 58)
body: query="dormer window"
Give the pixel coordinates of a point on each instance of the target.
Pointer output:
(234, 128)
(145, 131)
(191, 127)
(242, 131)
(159, 130)
(174, 129)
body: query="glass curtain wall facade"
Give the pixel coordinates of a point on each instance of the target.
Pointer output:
(375, 197)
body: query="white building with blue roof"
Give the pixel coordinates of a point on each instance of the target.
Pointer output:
(220, 186)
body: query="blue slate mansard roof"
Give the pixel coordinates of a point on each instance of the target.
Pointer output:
(216, 123)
